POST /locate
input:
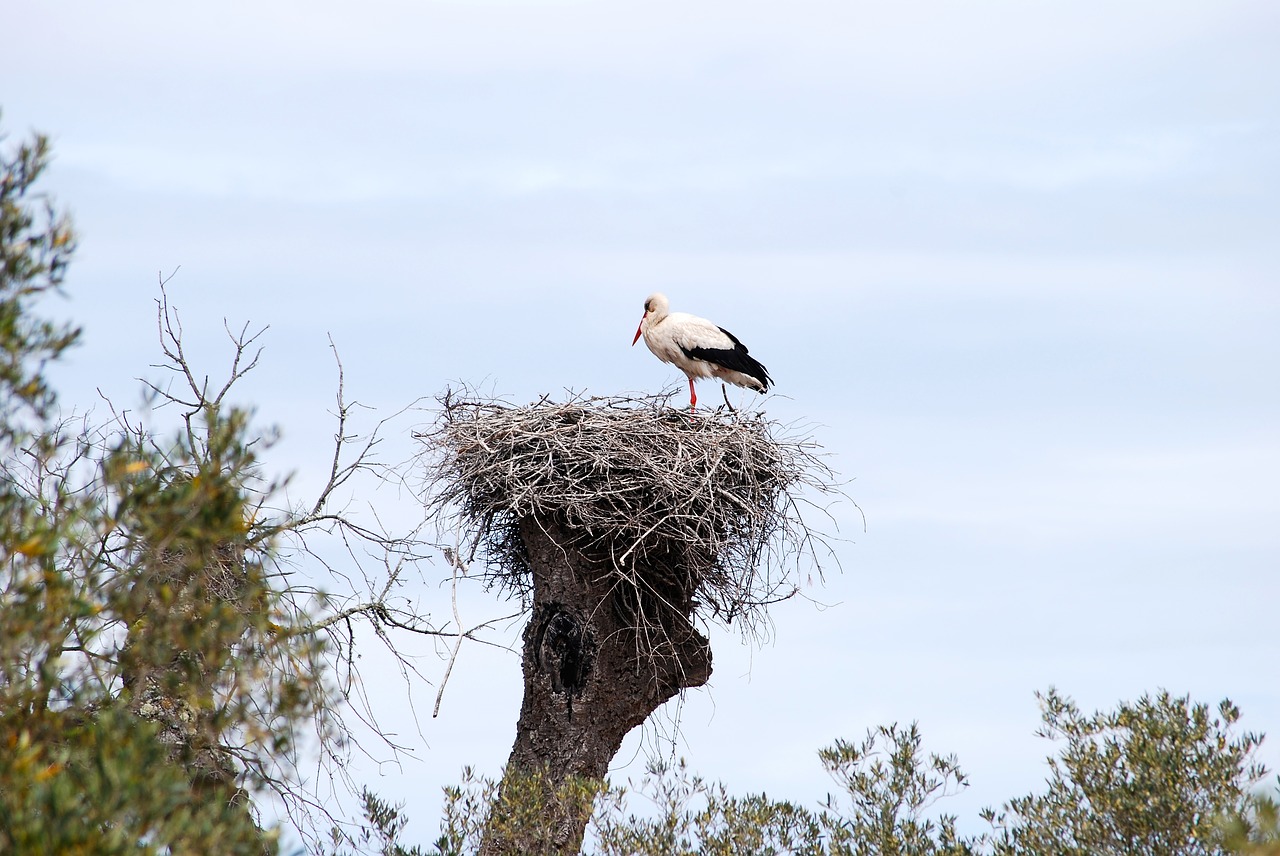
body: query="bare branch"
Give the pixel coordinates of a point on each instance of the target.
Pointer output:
(455, 566)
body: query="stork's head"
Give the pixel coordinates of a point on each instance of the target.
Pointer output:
(655, 309)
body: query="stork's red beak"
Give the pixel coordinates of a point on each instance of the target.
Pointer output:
(639, 330)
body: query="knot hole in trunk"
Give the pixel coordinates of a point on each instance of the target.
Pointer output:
(565, 649)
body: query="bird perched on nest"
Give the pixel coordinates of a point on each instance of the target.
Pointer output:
(698, 348)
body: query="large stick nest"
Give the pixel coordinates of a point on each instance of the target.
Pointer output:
(639, 482)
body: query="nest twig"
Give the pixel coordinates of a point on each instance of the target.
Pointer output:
(717, 494)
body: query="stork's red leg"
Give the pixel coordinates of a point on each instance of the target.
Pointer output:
(693, 397)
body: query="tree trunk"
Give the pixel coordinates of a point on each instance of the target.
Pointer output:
(600, 655)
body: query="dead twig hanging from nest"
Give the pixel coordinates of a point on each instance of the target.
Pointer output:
(715, 498)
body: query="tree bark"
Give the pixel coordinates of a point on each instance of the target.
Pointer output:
(600, 655)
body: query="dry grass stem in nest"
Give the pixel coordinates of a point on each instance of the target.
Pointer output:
(640, 482)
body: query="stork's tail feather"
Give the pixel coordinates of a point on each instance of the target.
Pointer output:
(756, 370)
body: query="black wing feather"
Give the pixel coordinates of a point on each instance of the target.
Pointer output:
(736, 359)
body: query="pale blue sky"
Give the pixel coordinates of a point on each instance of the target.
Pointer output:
(1015, 262)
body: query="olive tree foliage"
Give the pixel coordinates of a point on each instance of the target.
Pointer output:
(887, 788)
(71, 758)
(163, 668)
(1161, 775)
(890, 785)
(1255, 831)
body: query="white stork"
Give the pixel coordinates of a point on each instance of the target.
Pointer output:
(698, 348)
